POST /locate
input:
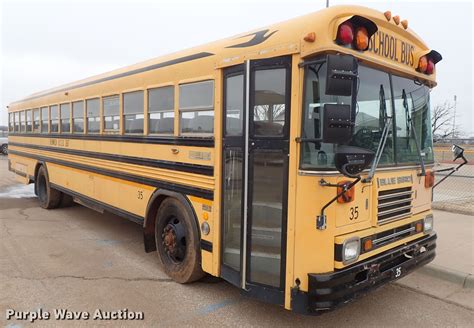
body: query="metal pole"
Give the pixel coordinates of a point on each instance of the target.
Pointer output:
(327, 3)
(454, 119)
(246, 174)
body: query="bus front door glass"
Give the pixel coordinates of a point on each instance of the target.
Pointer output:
(261, 254)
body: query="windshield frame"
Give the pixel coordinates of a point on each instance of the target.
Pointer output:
(394, 111)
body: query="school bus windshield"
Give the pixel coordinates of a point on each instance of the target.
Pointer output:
(375, 91)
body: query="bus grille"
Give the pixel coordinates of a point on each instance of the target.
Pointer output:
(394, 204)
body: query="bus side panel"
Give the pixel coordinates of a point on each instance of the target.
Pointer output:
(23, 167)
(295, 127)
(113, 191)
(203, 209)
(129, 196)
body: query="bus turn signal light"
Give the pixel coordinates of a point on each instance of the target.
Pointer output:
(367, 246)
(348, 196)
(429, 179)
(419, 227)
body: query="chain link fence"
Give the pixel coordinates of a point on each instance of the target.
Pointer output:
(456, 193)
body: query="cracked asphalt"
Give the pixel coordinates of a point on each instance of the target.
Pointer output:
(74, 258)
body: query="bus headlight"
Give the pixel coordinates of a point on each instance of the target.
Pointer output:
(350, 250)
(428, 223)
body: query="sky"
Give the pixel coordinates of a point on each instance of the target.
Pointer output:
(47, 43)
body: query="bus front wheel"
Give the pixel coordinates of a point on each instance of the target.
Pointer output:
(177, 242)
(48, 197)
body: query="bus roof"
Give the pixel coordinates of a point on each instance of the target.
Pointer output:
(393, 48)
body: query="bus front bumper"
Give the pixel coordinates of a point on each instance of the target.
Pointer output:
(328, 291)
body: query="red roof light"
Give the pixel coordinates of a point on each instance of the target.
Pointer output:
(345, 33)
(430, 67)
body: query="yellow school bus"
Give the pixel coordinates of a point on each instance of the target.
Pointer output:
(294, 161)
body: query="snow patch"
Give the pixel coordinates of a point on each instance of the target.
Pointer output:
(18, 191)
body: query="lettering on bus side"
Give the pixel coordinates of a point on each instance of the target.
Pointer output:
(390, 47)
(201, 155)
(394, 180)
(59, 142)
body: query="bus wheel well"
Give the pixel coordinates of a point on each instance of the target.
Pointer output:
(150, 217)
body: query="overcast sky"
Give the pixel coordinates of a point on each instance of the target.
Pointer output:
(46, 43)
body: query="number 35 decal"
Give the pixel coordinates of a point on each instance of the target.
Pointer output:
(398, 272)
(354, 213)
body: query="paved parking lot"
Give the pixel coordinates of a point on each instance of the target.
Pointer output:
(77, 259)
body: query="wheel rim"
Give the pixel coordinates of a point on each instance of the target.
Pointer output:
(42, 188)
(174, 240)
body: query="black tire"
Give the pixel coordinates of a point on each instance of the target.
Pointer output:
(177, 242)
(4, 149)
(48, 197)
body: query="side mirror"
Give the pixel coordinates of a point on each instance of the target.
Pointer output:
(351, 160)
(337, 124)
(458, 152)
(342, 70)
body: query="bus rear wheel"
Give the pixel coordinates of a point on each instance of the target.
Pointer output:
(48, 197)
(177, 242)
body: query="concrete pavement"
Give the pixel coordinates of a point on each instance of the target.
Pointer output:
(450, 276)
(455, 242)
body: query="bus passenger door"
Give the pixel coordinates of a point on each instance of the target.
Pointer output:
(255, 175)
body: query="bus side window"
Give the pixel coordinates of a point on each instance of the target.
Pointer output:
(53, 119)
(161, 110)
(111, 108)
(78, 117)
(17, 122)
(196, 108)
(29, 121)
(133, 107)
(44, 120)
(11, 122)
(36, 120)
(93, 115)
(22, 121)
(65, 112)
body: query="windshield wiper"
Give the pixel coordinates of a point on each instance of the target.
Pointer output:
(387, 124)
(407, 116)
(411, 124)
(383, 116)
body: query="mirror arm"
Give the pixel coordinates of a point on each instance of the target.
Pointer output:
(452, 169)
(321, 219)
(324, 183)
